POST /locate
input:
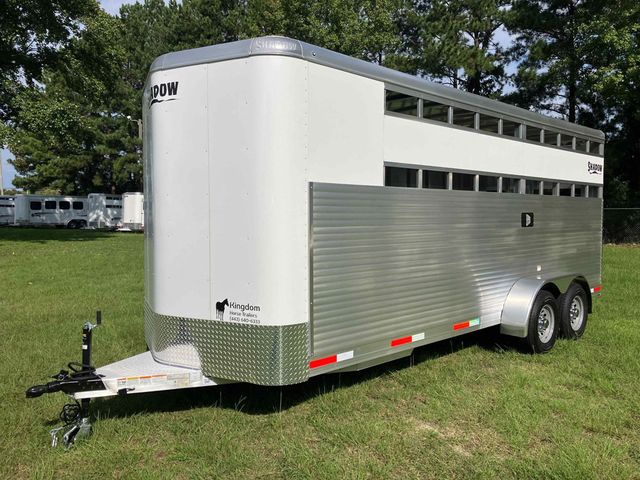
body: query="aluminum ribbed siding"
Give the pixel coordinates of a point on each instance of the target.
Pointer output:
(389, 262)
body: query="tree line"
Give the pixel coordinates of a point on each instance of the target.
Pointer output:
(71, 75)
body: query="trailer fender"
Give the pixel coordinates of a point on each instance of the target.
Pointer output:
(514, 320)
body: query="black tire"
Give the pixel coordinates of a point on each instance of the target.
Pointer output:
(82, 224)
(574, 311)
(544, 321)
(72, 225)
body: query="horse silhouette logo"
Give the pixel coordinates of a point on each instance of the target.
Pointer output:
(220, 308)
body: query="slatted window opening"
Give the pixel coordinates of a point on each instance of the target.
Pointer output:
(487, 183)
(463, 181)
(488, 123)
(463, 118)
(436, 179)
(551, 138)
(420, 106)
(435, 111)
(532, 187)
(401, 103)
(401, 177)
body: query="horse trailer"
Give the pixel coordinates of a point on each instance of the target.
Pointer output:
(7, 210)
(51, 210)
(105, 210)
(346, 214)
(133, 211)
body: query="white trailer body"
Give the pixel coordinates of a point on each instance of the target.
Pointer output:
(351, 212)
(52, 210)
(104, 210)
(342, 214)
(7, 210)
(133, 211)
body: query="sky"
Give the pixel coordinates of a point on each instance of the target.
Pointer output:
(113, 7)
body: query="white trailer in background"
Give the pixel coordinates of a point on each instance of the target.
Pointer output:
(132, 211)
(341, 214)
(7, 210)
(105, 210)
(52, 210)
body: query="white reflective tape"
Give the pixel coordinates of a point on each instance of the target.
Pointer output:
(417, 337)
(344, 356)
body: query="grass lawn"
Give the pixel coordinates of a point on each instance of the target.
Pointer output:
(473, 407)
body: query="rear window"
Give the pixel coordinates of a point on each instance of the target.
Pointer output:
(64, 205)
(49, 204)
(78, 205)
(35, 205)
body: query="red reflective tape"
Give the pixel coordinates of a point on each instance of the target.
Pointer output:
(461, 325)
(401, 341)
(321, 362)
(597, 289)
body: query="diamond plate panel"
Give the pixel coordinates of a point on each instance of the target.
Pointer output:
(260, 354)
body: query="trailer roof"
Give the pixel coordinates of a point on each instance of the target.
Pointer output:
(274, 45)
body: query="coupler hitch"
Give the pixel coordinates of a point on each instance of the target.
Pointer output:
(80, 377)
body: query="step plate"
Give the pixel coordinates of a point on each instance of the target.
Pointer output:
(142, 374)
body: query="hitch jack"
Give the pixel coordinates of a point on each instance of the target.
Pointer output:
(80, 377)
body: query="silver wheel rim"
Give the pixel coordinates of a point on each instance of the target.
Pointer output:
(576, 313)
(546, 322)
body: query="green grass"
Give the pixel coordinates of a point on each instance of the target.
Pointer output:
(473, 407)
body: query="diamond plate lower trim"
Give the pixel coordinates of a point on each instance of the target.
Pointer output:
(260, 354)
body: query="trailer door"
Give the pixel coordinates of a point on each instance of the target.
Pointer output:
(35, 212)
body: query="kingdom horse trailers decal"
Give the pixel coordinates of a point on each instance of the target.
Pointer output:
(352, 213)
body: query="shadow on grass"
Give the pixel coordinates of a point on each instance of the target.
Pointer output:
(260, 400)
(51, 234)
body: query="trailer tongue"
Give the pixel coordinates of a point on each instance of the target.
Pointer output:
(82, 382)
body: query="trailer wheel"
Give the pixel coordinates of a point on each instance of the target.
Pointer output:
(573, 311)
(72, 225)
(543, 323)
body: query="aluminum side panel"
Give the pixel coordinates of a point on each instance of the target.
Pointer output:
(389, 262)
